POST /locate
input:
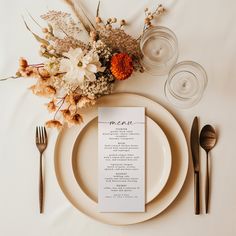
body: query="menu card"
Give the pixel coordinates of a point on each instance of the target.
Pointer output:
(121, 148)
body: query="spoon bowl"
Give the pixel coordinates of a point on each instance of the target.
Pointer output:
(207, 141)
(208, 138)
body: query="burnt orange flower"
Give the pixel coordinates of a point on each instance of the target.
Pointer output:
(121, 66)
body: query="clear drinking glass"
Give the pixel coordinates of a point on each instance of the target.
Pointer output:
(159, 47)
(186, 84)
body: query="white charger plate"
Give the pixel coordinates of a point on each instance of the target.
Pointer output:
(179, 150)
(158, 159)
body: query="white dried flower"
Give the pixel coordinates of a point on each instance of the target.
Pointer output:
(77, 65)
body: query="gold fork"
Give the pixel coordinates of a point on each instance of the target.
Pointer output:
(41, 143)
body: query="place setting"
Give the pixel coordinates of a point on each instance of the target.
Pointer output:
(120, 158)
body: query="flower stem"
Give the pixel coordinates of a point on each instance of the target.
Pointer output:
(11, 77)
(37, 65)
(62, 102)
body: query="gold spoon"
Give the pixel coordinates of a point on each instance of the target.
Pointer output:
(207, 142)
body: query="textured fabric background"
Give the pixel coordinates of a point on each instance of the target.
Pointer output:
(207, 34)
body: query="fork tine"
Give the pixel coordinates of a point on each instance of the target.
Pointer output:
(41, 135)
(45, 135)
(37, 135)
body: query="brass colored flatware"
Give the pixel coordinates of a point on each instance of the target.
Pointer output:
(41, 143)
(194, 142)
(207, 142)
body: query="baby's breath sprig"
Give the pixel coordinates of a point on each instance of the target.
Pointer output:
(149, 16)
(108, 24)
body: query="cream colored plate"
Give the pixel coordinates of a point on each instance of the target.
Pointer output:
(158, 159)
(179, 150)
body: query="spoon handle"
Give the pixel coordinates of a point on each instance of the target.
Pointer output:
(207, 186)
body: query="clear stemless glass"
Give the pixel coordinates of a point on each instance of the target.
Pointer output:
(186, 84)
(159, 47)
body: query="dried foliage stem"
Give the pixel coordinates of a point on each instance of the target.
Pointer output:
(79, 12)
(37, 65)
(11, 77)
(39, 39)
(59, 108)
(32, 18)
(98, 8)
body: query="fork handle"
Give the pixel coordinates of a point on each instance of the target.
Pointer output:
(40, 185)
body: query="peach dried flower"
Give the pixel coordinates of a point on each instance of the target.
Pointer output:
(51, 106)
(76, 119)
(23, 63)
(44, 74)
(72, 98)
(43, 91)
(53, 124)
(66, 114)
(85, 102)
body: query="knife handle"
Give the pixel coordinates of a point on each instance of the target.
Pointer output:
(196, 193)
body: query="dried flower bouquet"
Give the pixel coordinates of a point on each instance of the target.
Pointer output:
(76, 72)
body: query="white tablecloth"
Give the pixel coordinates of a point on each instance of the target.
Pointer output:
(207, 34)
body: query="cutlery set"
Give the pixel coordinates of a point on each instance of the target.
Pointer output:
(207, 140)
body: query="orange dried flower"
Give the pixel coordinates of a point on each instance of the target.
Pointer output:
(121, 66)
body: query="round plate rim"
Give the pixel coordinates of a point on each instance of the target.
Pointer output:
(146, 216)
(167, 161)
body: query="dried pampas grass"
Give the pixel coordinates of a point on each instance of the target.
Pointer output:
(79, 12)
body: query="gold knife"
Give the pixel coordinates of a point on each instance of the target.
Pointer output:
(194, 142)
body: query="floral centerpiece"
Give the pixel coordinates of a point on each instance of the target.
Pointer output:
(77, 70)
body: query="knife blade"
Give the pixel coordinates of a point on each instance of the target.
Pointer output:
(194, 142)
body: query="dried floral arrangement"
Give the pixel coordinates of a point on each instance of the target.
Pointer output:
(76, 72)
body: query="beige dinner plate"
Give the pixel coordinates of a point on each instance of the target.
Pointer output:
(179, 167)
(158, 159)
